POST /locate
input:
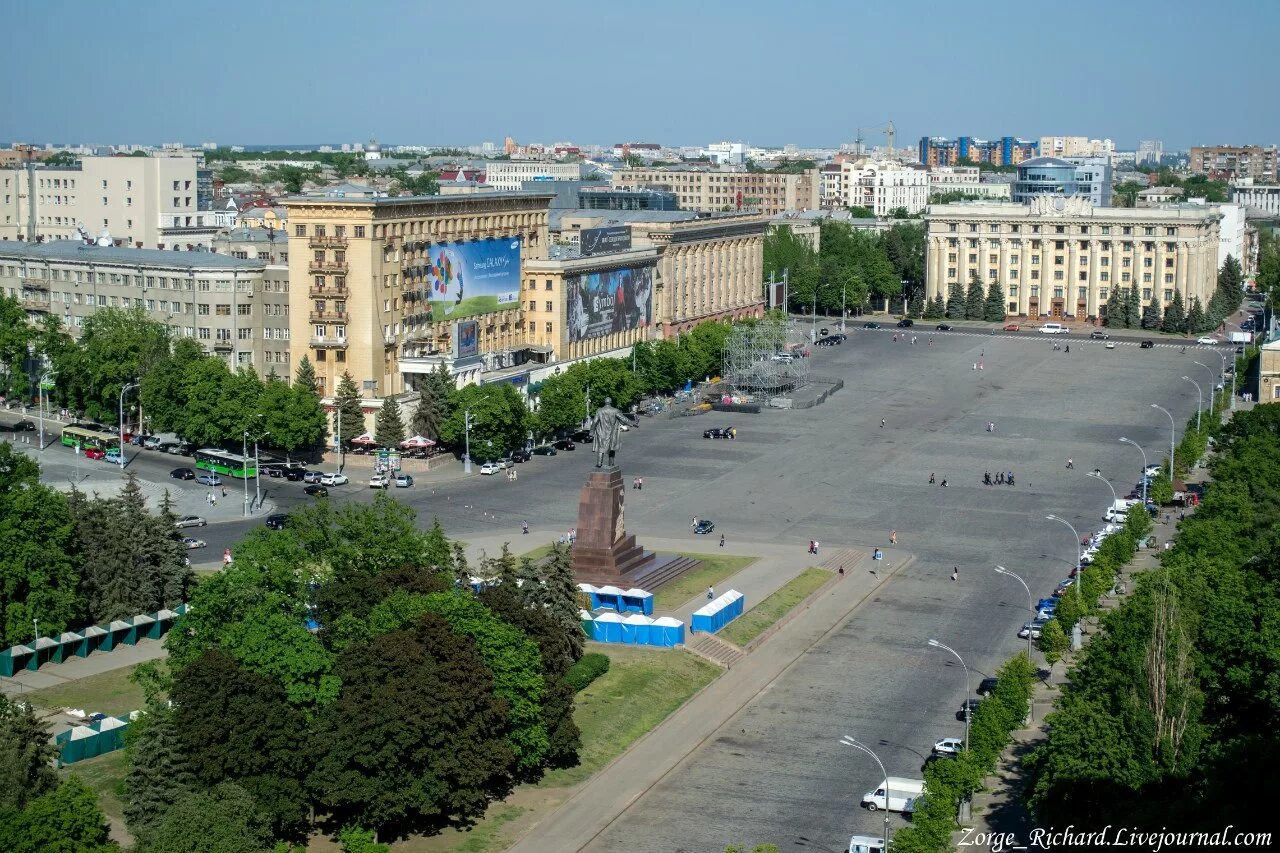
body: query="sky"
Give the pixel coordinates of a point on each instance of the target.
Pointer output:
(807, 72)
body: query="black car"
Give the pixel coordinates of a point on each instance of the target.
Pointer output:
(827, 342)
(1098, 336)
(293, 475)
(582, 436)
(944, 327)
(544, 450)
(870, 325)
(182, 474)
(316, 491)
(906, 323)
(565, 444)
(705, 526)
(520, 455)
(1147, 344)
(987, 685)
(969, 706)
(273, 473)
(719, 432)
(277, 521)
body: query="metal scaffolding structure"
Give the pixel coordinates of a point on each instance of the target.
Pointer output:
(763, 359)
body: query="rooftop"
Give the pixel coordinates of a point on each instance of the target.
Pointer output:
(384, 200)
(1046, 161)
(78, 252)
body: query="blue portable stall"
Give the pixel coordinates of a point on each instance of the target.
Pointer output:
(143, 625)
(666, 632)
(182, 608)
(95, 637)
(15, 658)
(48, 650)
(607, 598)
(73, 645)
(636, 625)
(585, 593)
(609, 626)
(716, 614)
(636, 600)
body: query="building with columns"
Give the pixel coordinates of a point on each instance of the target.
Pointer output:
(1059, 257)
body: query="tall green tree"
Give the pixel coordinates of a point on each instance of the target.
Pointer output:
(25, 756)
(292, 178)
(936, 310)
(292, 416)
(904, 246)
(389, 424)
(499, 420)
(225, 818)
(1175, 319)
(1133, 309)
(975, 301)
(15, 336)
(159, 774)
(1115, 309)
(305, 375)
(164, 386)
(348, 419)
(433, 403)
(784, 251)
(955, 308)
(1151, 314)
(66, 819)
(116, 347)
(1196, 319)
(1231, 280)
(994, 309)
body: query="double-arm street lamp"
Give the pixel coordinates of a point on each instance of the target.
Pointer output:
(1001, 570)
(466, 432)
(935, 644)
(848, 741)
(120, 427)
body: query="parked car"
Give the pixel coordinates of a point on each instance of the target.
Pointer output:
(152, 442)
(870, 325)
(192, 543)
(277, 521)
(987, 685)
(520, 455)
(311, 476)
(189, 521)
(209, 480)
(1207, 341)
(829, 341)
(94, 453)
(1098, 336)
(379, 481)
(784, 357)
(967, 708)
(1012, 327)
(24, 425)
(404, 481)
(1033, 628)
(943, 327)
(273, 472)
(490, 468)
(1146, 344)
(705, 526)
(544, 450)
(906, 323)
(179, 448)
(334, 479)
(1053, 329)
(182, 474)
(1064, 585)
(112, 456)
(316, 491)
(720, 432)
(948, 747)
(565, 444)
(294, 475)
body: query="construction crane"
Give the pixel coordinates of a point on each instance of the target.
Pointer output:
(888, 130)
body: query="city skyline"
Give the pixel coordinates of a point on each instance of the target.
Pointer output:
(444, 76)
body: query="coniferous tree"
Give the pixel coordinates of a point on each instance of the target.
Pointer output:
(1114, 318)
(348, 420)
(389, 425)
(1195, 317)
(975, 301)
(916, 307)
(25, 756)
(1175, 318)
(433, 403)
(159, 774)
(1151, 315)
(1133, 309)
(936, 309)
(1231, 281)
(994, 309)
(563, 600)
(955, 301)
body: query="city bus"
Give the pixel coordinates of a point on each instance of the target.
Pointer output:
(83, 437)
(227, 464)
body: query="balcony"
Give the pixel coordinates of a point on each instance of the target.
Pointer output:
(389, 340)
(327, 242)
(333, 267)
(327, 292)
(328, 343)
(40, 284)
(35, 303)
(328, 316)
(222, 346)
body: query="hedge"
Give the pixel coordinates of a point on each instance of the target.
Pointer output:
(586, 670)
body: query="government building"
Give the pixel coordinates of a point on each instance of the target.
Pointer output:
(1059, 257)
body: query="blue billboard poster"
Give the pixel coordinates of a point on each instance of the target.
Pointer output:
(466, 279)
(467, 335)
(601, 303)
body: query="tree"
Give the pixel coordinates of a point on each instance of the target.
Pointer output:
(1115, 310)
(115, 347)
(499, 420)
(1125, 193)
(16, 335)
(1151, 314)
(389, 425)
(292, 178)
(562, 402)
(975, 302)
(164, 387)
(292, 415)
(1133, 309)
(25, 756)
(159, 775)
(348, 417)
(305, 376)
(64, 820)
(1196, 319)
(561, 599)
(785, 252)
(433, 403)
(224, 818)
(955, 308)
(915, 308)
(936, 310)
(994, 309)
(857, 211)
(904, 246)
(426, 183)
(1174, 318)
(1231, 280)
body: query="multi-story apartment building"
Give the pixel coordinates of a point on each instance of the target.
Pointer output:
(1259, 200)
(380, 284)
(831, 185)
(1076, 146)
(508, 175)
(235, 308)
(1061, 257)
(725, 188)
(145, 202)
(1005, 151)
(1228, 162)
(1150, 152)
(882, 186)
(1089, 177)
(967, 180)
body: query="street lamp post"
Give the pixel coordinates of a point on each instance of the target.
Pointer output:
(257, 472)
(1115, 499)
(466, 454)
(1078, 556)
(42, 399)
(1212, 385)
(938, 645)
(1172, 432)
(1199, 401)
(244, 459)
(1001, 570)
(120, 427)
(1144, 466)
(848, 741)
(1224, 379)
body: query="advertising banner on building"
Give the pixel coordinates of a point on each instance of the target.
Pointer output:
(612, 301)
(466, 336)
(601, 241)
(465, 279)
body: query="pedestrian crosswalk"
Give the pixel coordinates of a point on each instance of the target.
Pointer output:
(1031, 337)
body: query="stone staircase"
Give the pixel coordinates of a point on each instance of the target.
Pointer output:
(720, 652)
(669, 570)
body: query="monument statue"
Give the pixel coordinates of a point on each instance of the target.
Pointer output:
(606, 432)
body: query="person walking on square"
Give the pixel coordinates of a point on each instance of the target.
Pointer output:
(955, 573)
(721, 540)
(932, 479)
(711, 593)
(882, 423)
(893, 537)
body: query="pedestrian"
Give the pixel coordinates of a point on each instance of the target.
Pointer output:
(913, 340)
(224, 491)
(932, 479)
(893, 537)
(635, 483)
(711, 593)
(882, 423)
(980, 366)
(944, 482)
(815, 546)
(721, 540)
(842, 571)
(975, 365)
(213, 499)
(955, 573)
(1070, 464)
(226, 556)
(1068, 347)
(930, 341)
(524, 528)
(640, 483)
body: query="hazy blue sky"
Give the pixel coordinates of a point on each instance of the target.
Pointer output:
(802, 71)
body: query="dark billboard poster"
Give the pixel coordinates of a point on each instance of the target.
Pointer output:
(601, 241)
(467, 338)
(600, 303)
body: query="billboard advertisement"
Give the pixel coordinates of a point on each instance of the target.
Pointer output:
(466, 336)
(465, 279)
(611, 301)
(600, 241)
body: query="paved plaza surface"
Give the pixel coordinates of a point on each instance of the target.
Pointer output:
(775, 771)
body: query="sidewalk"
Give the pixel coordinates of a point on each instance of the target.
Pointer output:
(598, 802)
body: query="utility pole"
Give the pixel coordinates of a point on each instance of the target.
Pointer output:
(244, 474)
(120, 426)
(466, 437)
(588, 417)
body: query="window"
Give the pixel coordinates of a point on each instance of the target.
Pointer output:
(1084, 260)
(993, 258)
(973, 257)
(973, 244)
(1013, 290)
(1168, 263)
(549, 328)
(1084, 275)
(202, 309)
(1059, 229)
(549, 308)
(1103, 292)
(299, 230)
(991, 274)
(1013, 273)
(1084, 229)
(1146, 293)
(1057, 293)
(951, 257)
(1146, 277)
(973, 228)
(1057, 260)
(339, 230)
(340, 355)
(318, 330)
(359, 231)
(548, 284)
(1035, 260)
(1170, 247)
(244, 334)
(1124, 276)
(202, 334)
(1059, 244)
(1106, 262)
(1170, 232)
(320, 356)
(1035, 274)
(320, 231)
(1128, 229)
(1147, 263)
(951, 228)
(1058, 275)
(1104, 276)
(1168, 278)
(223, 310)
(533, 305)
(995, 229)
(1149, 231)
(951, 272)
(1168, 294)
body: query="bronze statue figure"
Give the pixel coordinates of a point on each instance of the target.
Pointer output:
(606, 433)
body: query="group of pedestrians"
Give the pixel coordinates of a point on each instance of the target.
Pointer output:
(1001, 478)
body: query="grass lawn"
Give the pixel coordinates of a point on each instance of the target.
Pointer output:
(105, 775)
(755, 621)
(714, 568)
(539, 552)
(108, 692)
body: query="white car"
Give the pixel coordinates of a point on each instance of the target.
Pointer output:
(194, 543)
(334, 479)
(948, 747)
(1053, 329)
(490, 468)
(379, 481)
(783, 356)
(1207, 340)
(1033, 628)
(1152, 471)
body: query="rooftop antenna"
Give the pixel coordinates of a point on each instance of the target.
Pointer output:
(104, 239)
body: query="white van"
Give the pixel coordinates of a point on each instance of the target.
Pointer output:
(866, 844)
(1053, 329)
(893, 794)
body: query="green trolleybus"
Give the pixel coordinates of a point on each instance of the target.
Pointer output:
(227, 464)
(82, 437)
